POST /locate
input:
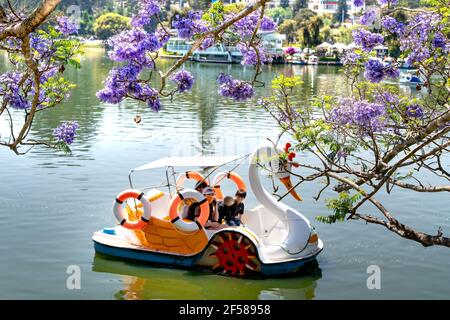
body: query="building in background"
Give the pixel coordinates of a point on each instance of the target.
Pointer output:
(332, 6)
(271, 4)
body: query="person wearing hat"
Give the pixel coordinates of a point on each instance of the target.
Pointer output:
(194, 211)
(210, 195)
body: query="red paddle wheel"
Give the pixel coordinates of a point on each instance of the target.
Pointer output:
(235, 253)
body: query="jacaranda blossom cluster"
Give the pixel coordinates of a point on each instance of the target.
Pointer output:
(237, 89)
(148, 8)
(207, 43)
(364, 115)
(184, 80)
(415, 37)
(66, 26)
(66, 132)
(414, 111)
(133, 48)
(9, 89)
(350, 57)
(250, 55)
(368, 17)
(366, 39)
(189, 25)
(377, 71)
(392, 25)
(247, 25)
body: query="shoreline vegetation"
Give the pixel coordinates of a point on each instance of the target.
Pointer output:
(99, 44)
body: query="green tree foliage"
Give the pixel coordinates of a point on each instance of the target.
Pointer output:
(341, 207)
(86, 23)
(289, 27)
(280, 14)
(343, 34)
(305, 28)
(110, 24)
(326, 33)
(308, 27)
(304, 14)
(218, 10)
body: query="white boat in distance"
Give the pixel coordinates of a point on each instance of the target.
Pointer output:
(220, 53)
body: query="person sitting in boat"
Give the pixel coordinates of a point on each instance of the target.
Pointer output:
(226, 209)
(194, 210)
(239, 199)
(231, 210)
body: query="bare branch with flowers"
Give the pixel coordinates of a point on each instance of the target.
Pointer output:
(377, 138)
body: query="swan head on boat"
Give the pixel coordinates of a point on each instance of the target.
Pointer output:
(295, 239)
(278, 166)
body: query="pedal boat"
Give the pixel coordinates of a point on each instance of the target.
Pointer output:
(274, 240)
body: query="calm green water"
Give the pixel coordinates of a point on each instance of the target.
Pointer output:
(50, 203)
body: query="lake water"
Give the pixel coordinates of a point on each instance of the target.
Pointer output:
(51, 203)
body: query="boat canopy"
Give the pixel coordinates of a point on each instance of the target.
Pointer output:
(193, 161)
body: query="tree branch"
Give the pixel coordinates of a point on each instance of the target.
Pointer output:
(407, 232)
(25, 27)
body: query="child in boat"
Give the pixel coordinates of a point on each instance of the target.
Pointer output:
(226, 209)
(210, 195)
(239, 199)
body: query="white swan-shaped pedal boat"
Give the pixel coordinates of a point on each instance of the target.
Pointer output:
(274, 240)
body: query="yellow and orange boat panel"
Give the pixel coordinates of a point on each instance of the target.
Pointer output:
(161, 235)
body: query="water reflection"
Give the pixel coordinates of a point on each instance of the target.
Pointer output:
(144, 282)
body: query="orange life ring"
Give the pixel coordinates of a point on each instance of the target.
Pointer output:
(197, 176)
(233, 176)
(185, 225)
(117, 209)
